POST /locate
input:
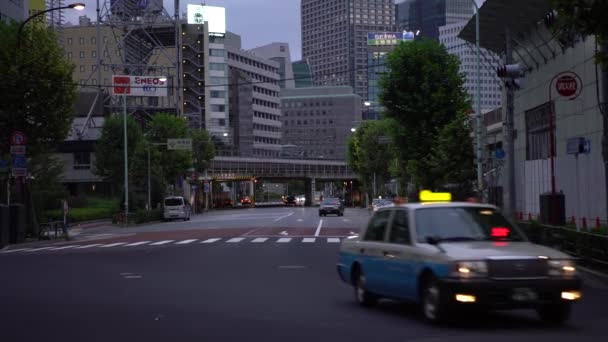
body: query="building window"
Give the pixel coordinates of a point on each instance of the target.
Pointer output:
(537, 132)
(94, 67)
(82, 160)
(217, 52)
(69, 56)
(93, 54)
(81, 54)
(218, 108)
(82, 68)
(81, 40)
(93, 40)
(69, 41)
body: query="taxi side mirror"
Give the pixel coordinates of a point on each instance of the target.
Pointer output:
(432, 240)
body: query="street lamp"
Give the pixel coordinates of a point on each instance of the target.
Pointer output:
(353, 129)
(478, 114)
(77, 6)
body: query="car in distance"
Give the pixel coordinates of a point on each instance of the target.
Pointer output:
(176, 207)
(290, 201)
(331, 206)
(246, 200)
(448, 256)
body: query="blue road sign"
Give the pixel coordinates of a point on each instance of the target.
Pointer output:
(18, 161)
(500, 153)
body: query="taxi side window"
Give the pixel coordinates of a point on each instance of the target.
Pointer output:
(400, 231)
(377, 226)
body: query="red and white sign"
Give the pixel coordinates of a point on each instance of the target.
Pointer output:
(139, 85)
(18, 138)
(569, 85)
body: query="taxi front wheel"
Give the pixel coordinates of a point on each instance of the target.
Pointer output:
(554, 314)
(363, 296)
(432, 307)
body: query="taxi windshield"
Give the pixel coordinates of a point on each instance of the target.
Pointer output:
(331, 201)
(464, 223)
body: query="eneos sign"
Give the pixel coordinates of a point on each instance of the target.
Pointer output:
(568, 85)
(139, 85)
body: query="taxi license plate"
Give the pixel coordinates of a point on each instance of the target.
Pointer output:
(524, 294)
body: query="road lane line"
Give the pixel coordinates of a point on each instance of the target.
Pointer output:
(185, 242)
(283, 240)
(38, 249)
(112, 245)
(88, 246)
(211, 240)
(319, 228)
(16, 250)
(308, 240)
(284, 216)
(64, 247)
(333, 240)
(161, 242)
(137, 243)
(259, 240)
(233, 240)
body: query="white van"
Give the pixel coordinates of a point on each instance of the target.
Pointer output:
(176, 207)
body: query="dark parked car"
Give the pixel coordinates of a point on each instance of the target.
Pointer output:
(290, 200)
(331, 206)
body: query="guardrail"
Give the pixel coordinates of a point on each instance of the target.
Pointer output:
(591, 248)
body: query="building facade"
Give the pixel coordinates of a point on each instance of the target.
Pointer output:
(317, 121)
(278, 52)
(427, 16)
(265, 102)
(334, 35)
(302, 74)
(491, 88)
(13, 10)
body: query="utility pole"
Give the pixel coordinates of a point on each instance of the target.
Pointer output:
(509, 133)
(124, 103)
(478, 115)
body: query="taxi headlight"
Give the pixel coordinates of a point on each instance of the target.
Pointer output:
(562, 268)
(470, 269)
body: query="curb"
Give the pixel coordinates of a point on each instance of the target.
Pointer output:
(602, 276)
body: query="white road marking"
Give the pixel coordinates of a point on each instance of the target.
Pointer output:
(38, 249)
(17, 250)
(258, 240)
(185, 242)
(284, 216)
(300, 220)
(319, 228)
(292, 267)
(345, 220)
(284, 233)
(137, 243)
(133, 277)
(64, 247)
(211, 240)
(308, 240)
(283, 240)
(333, 240)
(161, 243)
(89, 246)
(233, 240)
(112, 245)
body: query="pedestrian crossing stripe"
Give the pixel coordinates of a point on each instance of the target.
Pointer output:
(235, 240)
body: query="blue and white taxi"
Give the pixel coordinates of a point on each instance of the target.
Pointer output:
(456, 255)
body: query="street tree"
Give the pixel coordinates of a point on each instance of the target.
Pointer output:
(109, 162)
(367, 156)
(422, 93)
(170, 164)
(203, 149)
(37, 90)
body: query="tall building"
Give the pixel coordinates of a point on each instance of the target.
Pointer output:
(13, 10)
(278, 52)
(428, 15)
(264, 108)
(491, 90)
(302, 74)
(318, 120)
(334, 33)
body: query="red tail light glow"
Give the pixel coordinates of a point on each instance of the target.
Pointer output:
(500, 232)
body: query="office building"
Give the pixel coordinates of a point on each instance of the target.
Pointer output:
(264, 107)
(13, 10)
(317, 121)
(427, 16)
(334, 34)
(302, 74)
(491, 89)
(278, 52)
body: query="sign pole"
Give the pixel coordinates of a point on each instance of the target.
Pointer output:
(124, 102)
(149, 187)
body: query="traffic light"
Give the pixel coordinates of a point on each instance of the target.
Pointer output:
(509, 70)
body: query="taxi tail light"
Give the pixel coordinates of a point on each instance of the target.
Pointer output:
(500, 232)
(465, 298)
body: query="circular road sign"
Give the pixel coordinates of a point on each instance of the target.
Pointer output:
(568, 85)
(17, 138)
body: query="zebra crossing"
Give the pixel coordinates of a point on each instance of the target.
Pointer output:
(206, 241)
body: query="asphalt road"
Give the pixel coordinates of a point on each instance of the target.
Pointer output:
(241, 291)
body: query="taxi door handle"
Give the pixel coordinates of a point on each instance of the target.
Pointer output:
(362, 250)
(389, 255)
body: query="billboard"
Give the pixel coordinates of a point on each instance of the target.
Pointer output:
(139, 85)
(388, 38)
(214, 16)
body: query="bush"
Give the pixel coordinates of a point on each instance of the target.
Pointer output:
(98, 208)
(78, 202)
(143, 216)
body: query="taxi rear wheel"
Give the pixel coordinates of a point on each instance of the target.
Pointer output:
(363, 296)
(432, 308)
(554, 314)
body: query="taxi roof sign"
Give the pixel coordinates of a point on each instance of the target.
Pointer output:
(429, 196)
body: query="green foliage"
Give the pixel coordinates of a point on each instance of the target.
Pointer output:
(143, 216)
(423, 94)
(37, 90)
(97, 208)
(47, 191)
(203, 149)
(109, 154)
(170, 163)
(587, 17)
(367, 156)
(78, 202)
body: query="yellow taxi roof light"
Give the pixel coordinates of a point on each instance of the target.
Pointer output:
(429, 196)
